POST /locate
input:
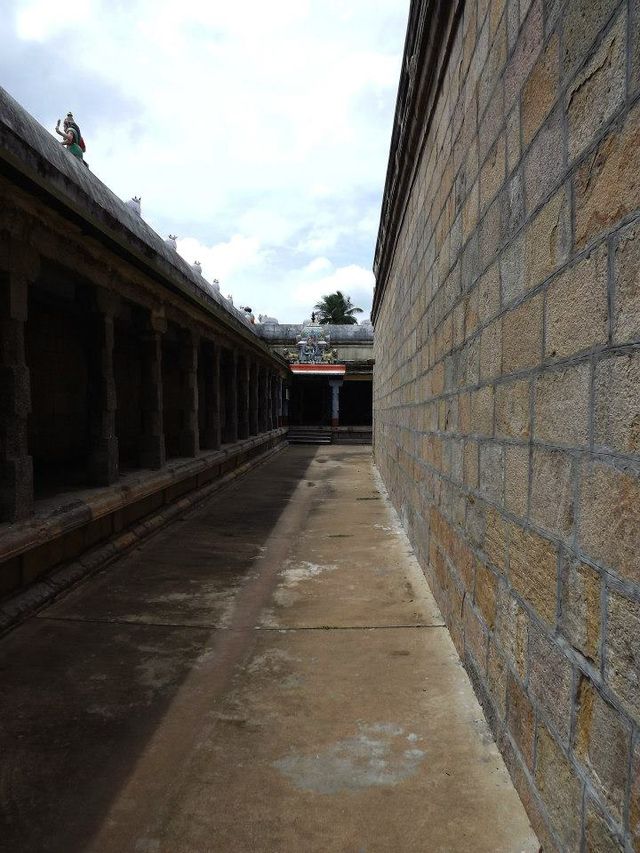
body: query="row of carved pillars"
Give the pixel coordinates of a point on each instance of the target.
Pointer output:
(242, 394)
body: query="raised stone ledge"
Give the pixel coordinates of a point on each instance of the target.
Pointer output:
(30, 153)
(66, 526)
(339, 333)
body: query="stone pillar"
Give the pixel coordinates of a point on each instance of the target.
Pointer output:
(231, 397)
(275, 384)
(189, 434)
(262, 399)
(103, 442)
(152, 449)
(244, 402)
(279, 418)
(18, 267)
(285, 404)
(254, 429)
(269, 398)
(335, 384)
(211, 434)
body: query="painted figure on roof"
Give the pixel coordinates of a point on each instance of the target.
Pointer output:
(71, 136)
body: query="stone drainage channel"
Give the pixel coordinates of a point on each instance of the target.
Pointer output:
(269, 673)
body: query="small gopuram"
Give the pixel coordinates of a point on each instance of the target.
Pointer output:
(329, 396)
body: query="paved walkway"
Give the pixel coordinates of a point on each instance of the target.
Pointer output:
(269, 674)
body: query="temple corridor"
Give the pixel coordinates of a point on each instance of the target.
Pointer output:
(268, 673)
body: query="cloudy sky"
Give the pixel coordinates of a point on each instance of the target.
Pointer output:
(258, 132)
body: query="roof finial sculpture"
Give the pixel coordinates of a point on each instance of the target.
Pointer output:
(71, 137)
(135, 205)
(171, 241)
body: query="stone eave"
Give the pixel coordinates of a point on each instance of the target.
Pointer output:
(432, 23)
(31, 158)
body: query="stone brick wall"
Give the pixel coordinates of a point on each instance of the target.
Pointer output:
(507, 387)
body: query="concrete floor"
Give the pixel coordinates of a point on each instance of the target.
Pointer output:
(269, 674)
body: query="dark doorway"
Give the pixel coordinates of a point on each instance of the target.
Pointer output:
(356, 403)
(310, 403)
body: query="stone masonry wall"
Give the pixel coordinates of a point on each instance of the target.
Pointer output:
(507, 395)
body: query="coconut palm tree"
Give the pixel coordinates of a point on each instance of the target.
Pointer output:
(336, 308)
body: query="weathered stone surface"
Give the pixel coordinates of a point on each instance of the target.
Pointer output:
(525, 54)
(580, 607)
(541, 90)
(634, 47)
(617, 403)
(533, 571)
(634, 799)
(550, 682)
(492, 471)
(544, 165)
(603, 740)
(548, 240)
(606, 186)
(491, 350)
(512, 409)
(516, 479)
(492, 172)
(552, 488)
(520, 719)
(497, 679)
(485, 594)
(489, 294)
(482, 411)
(598, 91)
(512, 630)
(561, 406)
(522, 336)
(598, 836)
(513, 138)
(559, 788)
(471, 463)
(582, 23)
(513, 209)
(576, 307)
(609, 518)
(622, 651)
(626, 311)
(495, 538)
(512, 269)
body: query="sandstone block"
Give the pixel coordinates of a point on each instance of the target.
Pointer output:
(617, 403)
(512, 269)
(582, 23)
(516, 479)
(609, 518)
(598, 91)
(490, 231)
(471, 464)
(496, 59)
(489, 294)
(634, 799)
(544, 163)
(512, 409)
(606, 185)
(497, 679)
(492, 121)
(525, 54)
(492, 471)
(512, 629)
(634, 47)
(559, 788)
(602, 743)
(626, 312)
(598, 836)
(492, 173)
(550, 681)
(552, 487)
(561, 403)
(494, 540)
(520, 719)
(522, 336)
(491, 350)
(513, 138)
(541, 90)
(576, 307)
(581, 621)
(513, 209)
(482, 411)
(533, 571)
(548, 240)
(475, 639)
(622, 651)
(485, 594)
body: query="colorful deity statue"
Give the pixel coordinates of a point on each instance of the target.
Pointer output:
(71, 137)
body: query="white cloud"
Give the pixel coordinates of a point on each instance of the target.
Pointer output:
(262, 135)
